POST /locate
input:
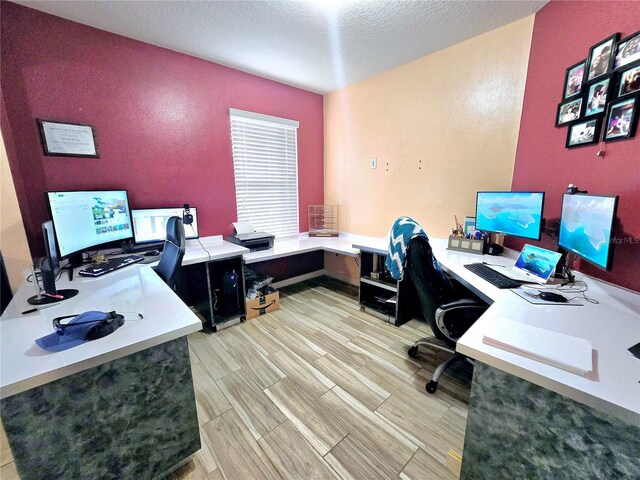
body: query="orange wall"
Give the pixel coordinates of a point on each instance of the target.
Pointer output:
(13, 240)
(441, 128)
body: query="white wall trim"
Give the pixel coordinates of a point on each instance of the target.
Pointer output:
(343, 278)
(260, 117)
(298, 279)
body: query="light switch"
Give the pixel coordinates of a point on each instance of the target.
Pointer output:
(373, 163)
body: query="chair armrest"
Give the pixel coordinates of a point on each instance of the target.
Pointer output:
(453, 319)
(463, 303)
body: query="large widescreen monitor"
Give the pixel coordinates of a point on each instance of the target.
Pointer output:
(586, 227)
(89, 219)
(510, 213)
(150, 224)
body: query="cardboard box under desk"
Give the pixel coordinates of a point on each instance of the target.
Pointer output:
(263, 304)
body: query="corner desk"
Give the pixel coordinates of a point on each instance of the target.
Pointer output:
(121, 406)
(206, 260)
(527, 419)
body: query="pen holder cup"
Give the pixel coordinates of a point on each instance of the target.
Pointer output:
(467, 245)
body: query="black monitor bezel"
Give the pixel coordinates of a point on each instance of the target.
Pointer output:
(135, 241)
(98, 246)
(514, 191)
(609, 265)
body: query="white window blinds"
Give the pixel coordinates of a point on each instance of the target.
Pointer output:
(265, 166)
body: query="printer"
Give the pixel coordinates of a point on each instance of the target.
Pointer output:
(245, 236)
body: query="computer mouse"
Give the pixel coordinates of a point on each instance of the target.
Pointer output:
(152, 253)
(553, 297)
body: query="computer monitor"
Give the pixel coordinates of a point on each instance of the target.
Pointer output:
(586, 227)
(89, 219)
(150, 224)
(510, 213)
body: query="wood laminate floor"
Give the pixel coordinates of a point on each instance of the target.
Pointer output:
(320, 390)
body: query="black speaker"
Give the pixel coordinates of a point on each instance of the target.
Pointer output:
(48, 277)
(494, 249)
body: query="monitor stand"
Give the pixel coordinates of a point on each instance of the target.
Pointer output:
(45, 299)
(75, 260)
(562, 270)
(51, 294)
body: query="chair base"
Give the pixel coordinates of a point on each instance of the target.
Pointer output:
(432, 385)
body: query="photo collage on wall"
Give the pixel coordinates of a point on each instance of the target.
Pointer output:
(601, 93)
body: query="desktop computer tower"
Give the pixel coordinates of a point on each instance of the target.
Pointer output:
(230, 301)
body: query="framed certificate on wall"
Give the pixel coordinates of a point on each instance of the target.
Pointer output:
(66, 139)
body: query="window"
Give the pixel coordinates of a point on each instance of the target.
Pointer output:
(265, 166)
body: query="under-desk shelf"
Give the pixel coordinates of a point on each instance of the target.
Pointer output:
(393, 300)
(393, 287)
(386, 309)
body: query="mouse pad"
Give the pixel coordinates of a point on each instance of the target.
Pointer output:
(531, 296)
(635, 350)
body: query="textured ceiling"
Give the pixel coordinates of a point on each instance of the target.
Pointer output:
(315, 45)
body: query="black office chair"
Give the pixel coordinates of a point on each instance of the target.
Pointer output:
(442, 304)
(173, 251)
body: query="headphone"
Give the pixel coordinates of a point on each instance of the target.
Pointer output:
(103, 324)
(187, 218)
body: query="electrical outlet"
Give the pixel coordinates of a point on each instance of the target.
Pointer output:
(373, 163)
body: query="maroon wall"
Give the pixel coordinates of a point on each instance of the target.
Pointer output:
(562, 35)
(161, 120)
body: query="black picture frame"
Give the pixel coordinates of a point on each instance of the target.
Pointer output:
(596, 97)
(627, 51)
(600, 60)
(569, 111)
(583, 132)
(628, 80)
(620, 123)
(68, 139)
(573, 80)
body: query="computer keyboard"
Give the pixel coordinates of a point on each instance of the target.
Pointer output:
(109, 266)
(491, 276)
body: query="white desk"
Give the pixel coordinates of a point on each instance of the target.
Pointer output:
(210, 249)
(132, 389)
(219, 249)
(24, 365)
(284, 247)
(612, 326)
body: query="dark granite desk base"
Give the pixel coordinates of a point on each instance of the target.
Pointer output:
(516, 429)
(132, 418)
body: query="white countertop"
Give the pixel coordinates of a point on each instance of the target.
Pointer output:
(612, 326)
(211, 249)
(138, 289)
(284, 247)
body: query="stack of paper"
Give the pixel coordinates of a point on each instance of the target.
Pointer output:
(557, 349)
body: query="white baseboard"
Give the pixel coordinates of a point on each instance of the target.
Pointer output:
(351, 281)
(298, 279)
(309, 276)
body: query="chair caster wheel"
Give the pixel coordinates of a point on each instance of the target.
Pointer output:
(432, 386)
(413, 351)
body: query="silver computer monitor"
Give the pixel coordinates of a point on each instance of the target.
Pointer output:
(150, 224)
